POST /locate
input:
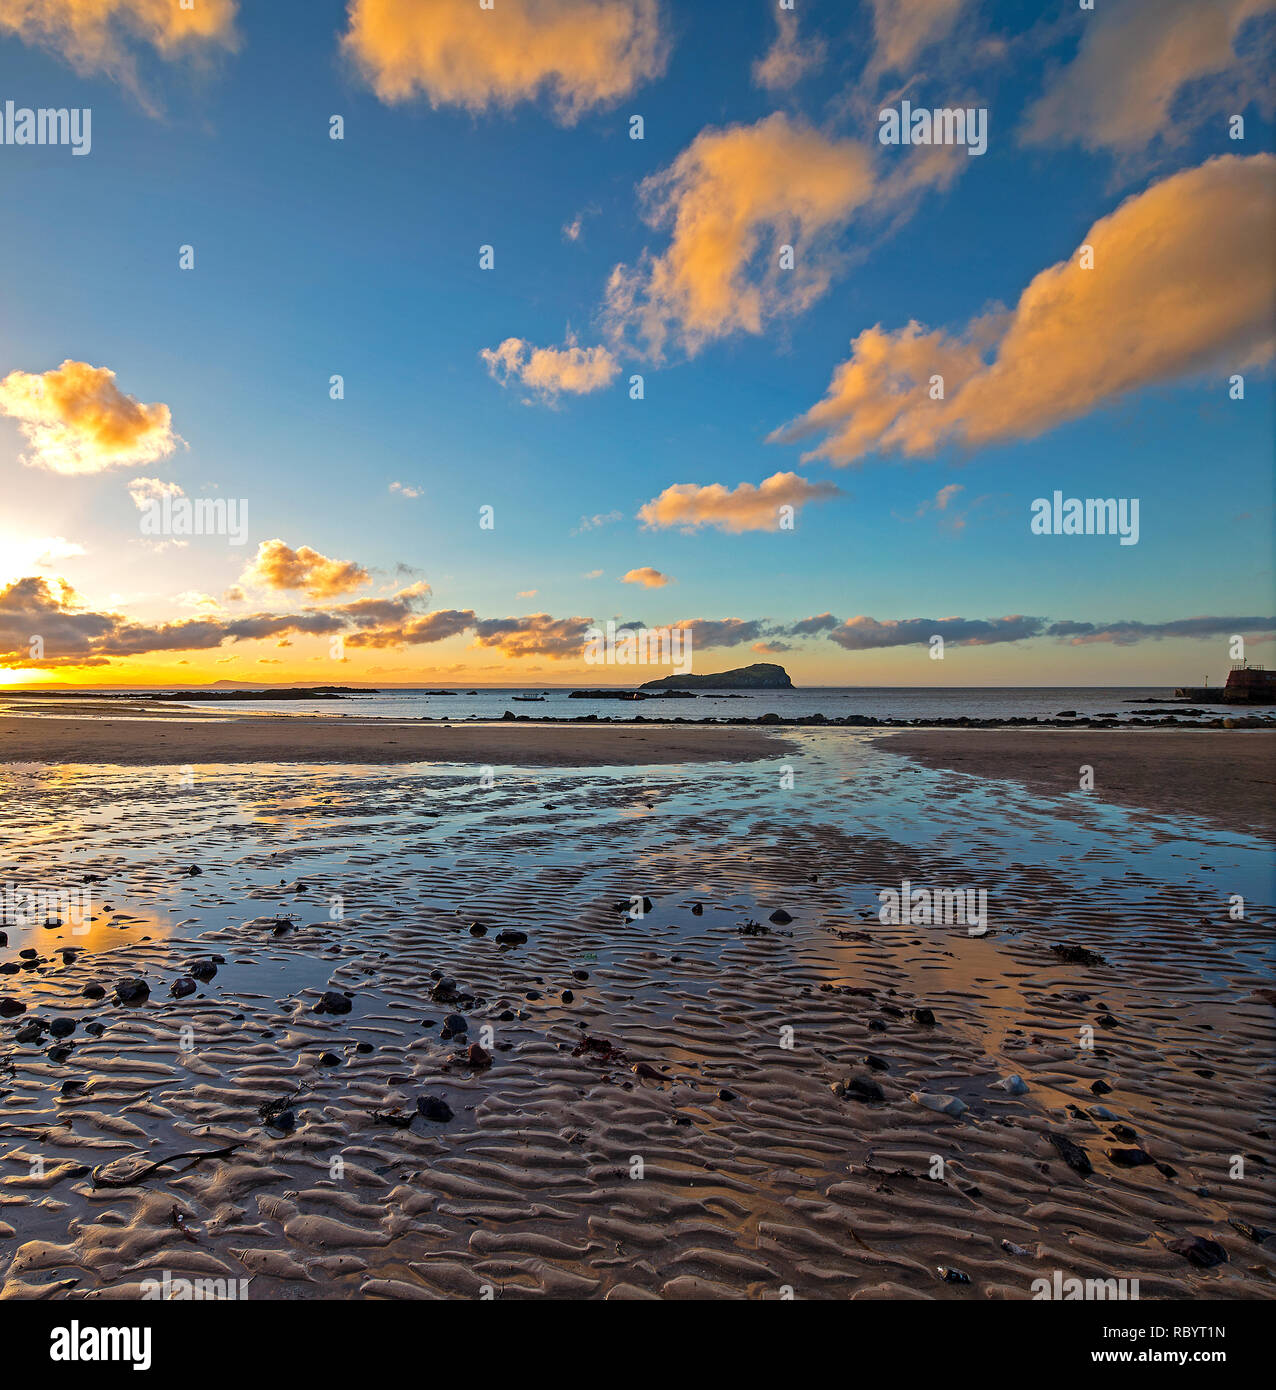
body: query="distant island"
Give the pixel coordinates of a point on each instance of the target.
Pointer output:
(762, 675)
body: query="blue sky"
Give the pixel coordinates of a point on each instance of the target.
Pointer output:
(360, 257)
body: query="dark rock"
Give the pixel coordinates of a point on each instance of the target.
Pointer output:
(780, 917)
(477, 1056)
(871, 1059)
(194, 871)
(950, 1275)
(1204, 1254)
(97, 1029)
(454, 1024)
(329, 1059)
(132, 991)
(434, 1108)
(1072, 1154)
(201, 970)
(724, 1094)
(32, 1032)
(510, 937)
(1078, 955)
(567, 996)
(333, 1002)
(1100, 1087)
(477, 929)
(182, 986)
(861, 1088)
(924, 1017)
(93, 992)
(1128, 1158)
(62, 1027)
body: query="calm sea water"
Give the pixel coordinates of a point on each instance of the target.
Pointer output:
(980, 702)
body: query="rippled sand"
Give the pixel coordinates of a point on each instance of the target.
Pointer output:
(726, 1165)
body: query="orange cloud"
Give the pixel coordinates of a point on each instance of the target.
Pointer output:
(1125, 88)
(585, 53)
(1183, 282)
(548, 372)
(734, 197)
(97, 35)
(78, 421)
(646, 576)
(278, 566)
(538, 634)
(743, 508)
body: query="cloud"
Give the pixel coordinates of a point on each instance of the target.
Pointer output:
(417, 630)
(144, 491)
(278, 566)
(1183, 282)
(742, 508)
(733, 198)
(822, 622)
(548, 372)
(78, 421)
(101, 35)
(867, 634)
(1147, 72)
(724, 632)
(903, 29)
(592, 523)
(592, 574)
(788, 60)
(527, 593)
(646, 576)
(1125, 634)
(535, 635)
(582, 53)
(407, 490)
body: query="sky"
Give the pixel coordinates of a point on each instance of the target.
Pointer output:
(454, 367)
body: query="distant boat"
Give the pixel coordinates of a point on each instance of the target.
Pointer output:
(525, 698)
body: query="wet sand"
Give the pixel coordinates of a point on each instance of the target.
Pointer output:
(660, 1106)
(1227, 776)
(166, 737)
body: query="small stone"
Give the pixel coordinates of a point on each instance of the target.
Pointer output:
(194, 871)
(1100, 1087)
(780, 917)
(924, 1017)
(454, 1024)
(202, 970)
(510, 937)
(477, 1056)
(329, 1059)
(1204, 1254)
(1072, 1154)
(93, 992)
(62, 1027)
(861, 1088)
(950, 1275)
(132, 991)
(1013, 1085)
(724, 1094)
(333, 1002)
(434, 1108)
(1128, 1158)
(182, 986)
(943, 1105)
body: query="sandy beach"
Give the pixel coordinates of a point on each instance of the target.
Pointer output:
(168, 737)
(412, 1039)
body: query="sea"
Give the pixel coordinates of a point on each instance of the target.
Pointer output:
(834, 702)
